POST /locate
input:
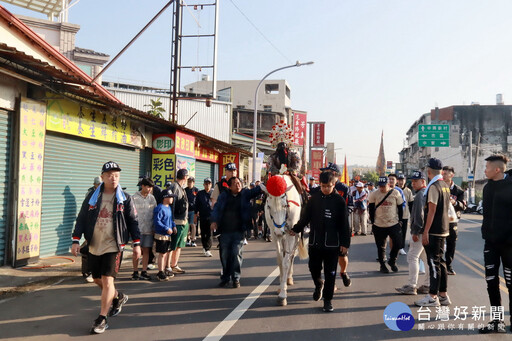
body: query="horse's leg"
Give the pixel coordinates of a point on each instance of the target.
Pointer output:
(294, 246)
(279, 257)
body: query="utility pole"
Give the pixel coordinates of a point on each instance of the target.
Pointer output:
(470, 171)
(476, 160)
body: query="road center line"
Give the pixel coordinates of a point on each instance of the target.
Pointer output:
(223, 327)
(464, 260)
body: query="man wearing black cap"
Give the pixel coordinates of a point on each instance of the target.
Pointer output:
(107, 219)
(497, 234)
(386, 211)
(204, 211)
(437, 195)
(222, 185)
(180, 215)
(459, 204)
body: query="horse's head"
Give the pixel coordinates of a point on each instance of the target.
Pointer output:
(277, 206)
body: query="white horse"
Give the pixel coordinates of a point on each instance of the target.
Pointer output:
(282, 211)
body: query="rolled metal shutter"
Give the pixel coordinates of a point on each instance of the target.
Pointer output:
(70, 166)
(5, 145)
(203, 170)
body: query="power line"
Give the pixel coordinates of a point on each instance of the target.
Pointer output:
(261, 33)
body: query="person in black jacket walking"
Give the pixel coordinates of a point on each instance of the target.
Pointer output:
(326, 213)
(497, 233)
(204, 211)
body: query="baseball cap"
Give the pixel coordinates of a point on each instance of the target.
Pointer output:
(230, 167)
(168, 184)
(207, 180)
(182, 173)
(191, 178)
(110, 166)
(370, 183)
(400, 176)
(359, 184)
(417, 175)
(311, 178)
(332, 167)
(434, 163)
(383, 180)
(168, 194)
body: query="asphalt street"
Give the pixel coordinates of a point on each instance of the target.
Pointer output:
(192, 307)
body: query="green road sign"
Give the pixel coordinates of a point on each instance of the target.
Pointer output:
(434, 135)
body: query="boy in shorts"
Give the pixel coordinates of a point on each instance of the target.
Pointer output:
(164, 228)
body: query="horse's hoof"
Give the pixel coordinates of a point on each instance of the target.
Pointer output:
(281, 301)
(289, 281)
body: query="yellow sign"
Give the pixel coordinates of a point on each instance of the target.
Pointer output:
(163, 168)
(30, 175)
(68, 117)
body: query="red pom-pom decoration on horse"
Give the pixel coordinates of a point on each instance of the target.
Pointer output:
(276, 186)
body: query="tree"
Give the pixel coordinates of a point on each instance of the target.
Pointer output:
(370, 176)
(155, 108)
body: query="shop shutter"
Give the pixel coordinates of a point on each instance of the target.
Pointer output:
(203, 170)
(5, 133)
(70, 166)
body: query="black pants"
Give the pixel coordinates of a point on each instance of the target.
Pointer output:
(404, 231)
(436, 264)
(329, 259)
(494, 254)
(206, 233)
(451, 242)
(380, 234)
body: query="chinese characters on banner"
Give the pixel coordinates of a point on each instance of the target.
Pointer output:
(206, 154)
(163, 168)
(30, 172)
(70, 118)
(299, 128)
(188, 163)
(227, 158)
(185, 144)
(163, 144)
(318, 134)
(317, 162)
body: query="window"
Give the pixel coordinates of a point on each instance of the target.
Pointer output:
(272, 89)
(240, 106)
(86, 68)
(267, 108)
(288, 92)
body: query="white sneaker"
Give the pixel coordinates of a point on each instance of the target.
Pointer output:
(444, 300)
(402, 252)
(89, 279)
(245, 241)
(151, 266)
(208, 253)
(428, 301)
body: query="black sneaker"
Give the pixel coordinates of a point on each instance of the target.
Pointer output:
(224, 284)
(117, 304)
(346, 279)
(135, 276)
(99, 325)
(161, 276)
(384, 269)
(450, 271)
(317, 294)
(393, 266)
(144, 276)
(493, 327)
(236, 284)
(328, 307)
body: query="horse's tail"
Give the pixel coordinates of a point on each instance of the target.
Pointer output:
(303, 250)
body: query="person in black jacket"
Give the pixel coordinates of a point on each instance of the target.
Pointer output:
(459, 204)
(497, 233)
(326, 213)
(107, 219)
(204, 211)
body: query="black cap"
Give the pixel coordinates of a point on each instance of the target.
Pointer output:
(168, 184)
(383, 180)
(230, 167)
(332, 167)
(370, 183)
(110, 166)
(416, 175)
(434, 163)
(207, 180)
(400, 176)
(191, 178)
(168, 194)
(182, 173)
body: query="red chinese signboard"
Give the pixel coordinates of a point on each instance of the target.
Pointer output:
(227, 158)
(206, 154)
(317, 162)
(299, 128)
(318, 134)
(185, 144)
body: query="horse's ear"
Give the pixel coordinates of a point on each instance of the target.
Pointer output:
(289, 188)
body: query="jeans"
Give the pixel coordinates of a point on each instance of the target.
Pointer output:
(451, 242)
(206, 233)
(436, 264)
(494, 254)
(416, 252)
(231, 255)
(329, 259)
(380, 234)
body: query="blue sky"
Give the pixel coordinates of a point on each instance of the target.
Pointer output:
(379, 64)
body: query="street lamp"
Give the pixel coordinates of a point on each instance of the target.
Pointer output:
(255, 121)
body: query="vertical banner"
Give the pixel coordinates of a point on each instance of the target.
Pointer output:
(319, 134)
(163, 168)
(227, 158)
(299, 128)
(31, 132)
(183, 162)
(185, 144)
(317, 162)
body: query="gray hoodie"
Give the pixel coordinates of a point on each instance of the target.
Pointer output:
(417, 213)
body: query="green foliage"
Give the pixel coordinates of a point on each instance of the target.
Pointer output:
(370, 176)
(155, 108)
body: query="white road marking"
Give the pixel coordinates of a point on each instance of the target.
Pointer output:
(237, 313)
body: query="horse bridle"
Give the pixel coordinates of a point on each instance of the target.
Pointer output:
(284, 224)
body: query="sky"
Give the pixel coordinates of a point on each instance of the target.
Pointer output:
(378, 64)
